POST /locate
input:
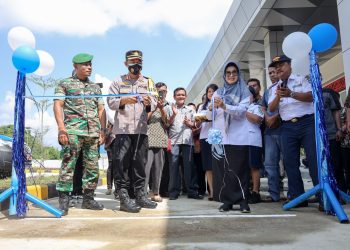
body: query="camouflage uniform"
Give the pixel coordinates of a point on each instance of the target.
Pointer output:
(83, 127)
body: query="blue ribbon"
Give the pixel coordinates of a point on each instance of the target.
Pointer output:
(87, 96)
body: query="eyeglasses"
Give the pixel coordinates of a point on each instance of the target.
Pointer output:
(229, 73)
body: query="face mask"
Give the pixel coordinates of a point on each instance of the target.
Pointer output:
(135, 68)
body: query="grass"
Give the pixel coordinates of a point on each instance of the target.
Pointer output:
(38, 180)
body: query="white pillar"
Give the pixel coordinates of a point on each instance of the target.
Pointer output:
(260, 75)
(344, 20)
(273, 47)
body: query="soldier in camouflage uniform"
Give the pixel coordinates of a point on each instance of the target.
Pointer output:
(81, 127)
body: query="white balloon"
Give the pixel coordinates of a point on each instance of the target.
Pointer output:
(47, 63)
(297, 45)
(301, 66)
(19, 36)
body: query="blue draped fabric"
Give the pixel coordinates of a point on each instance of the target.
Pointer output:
(18, 143)
(325, 167)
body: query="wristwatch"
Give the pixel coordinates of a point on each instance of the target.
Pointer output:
(292, 94)
(104, 130)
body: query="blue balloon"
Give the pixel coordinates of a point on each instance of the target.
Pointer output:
(323, 36)
(25, 59)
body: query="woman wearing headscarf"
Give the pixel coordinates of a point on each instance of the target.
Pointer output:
(230, 159)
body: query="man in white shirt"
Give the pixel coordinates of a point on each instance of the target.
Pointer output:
(293, 97)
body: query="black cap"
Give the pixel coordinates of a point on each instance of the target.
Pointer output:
(279, 59)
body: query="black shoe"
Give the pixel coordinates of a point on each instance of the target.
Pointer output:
(116, 196)
(91, 204)
(195, 196)
(142, 201)
(173, 197)
(126, 204)
(313, 200)
(254, 198)
(63, 202)
(302, 204)
(72, 201)
(244, 207)
(225, 207)
(89, 201)
(320, 207)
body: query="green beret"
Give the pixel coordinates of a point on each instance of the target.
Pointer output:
(82, 58)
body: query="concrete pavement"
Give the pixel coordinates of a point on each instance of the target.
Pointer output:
(180, 224)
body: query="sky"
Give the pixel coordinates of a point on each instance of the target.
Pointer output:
(174, 36)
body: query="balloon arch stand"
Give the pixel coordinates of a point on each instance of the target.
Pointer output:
(26, 60)
(327, 187)
(302, 47)
(17, 192)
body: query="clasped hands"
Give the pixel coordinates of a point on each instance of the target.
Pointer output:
(146, 100)
(218, 103)
(283, 92)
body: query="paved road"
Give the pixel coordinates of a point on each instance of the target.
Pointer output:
(179, 224)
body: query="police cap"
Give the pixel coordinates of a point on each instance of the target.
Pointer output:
(132, 54)
(279, 59)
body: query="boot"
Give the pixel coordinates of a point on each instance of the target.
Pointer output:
(126, 204)
(89, 202)
(142, 201)
(63, 202)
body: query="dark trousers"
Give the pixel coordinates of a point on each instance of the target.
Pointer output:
(110, 170)
(78, 176)
(345, 162)
(190, 171)
(127, 161)
(335, 152)
(202, 186)
(164, 183)
(293, 136)
(154, 168)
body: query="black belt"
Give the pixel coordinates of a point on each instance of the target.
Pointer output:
(297, 119)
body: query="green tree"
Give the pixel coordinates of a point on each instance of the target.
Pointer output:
(51, 153)
(43, 104)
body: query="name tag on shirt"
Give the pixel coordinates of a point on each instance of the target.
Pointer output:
(142, 89)
(125, 89)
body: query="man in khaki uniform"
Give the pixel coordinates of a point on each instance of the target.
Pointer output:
(81, 127)
(130, 127)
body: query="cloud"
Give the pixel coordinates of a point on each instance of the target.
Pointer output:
(192, 18)
(106, 83)
(7, 108)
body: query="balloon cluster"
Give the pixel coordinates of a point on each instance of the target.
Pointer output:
(25, 58)
(298, 45)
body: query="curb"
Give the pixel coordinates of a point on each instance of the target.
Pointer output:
(43, 192)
